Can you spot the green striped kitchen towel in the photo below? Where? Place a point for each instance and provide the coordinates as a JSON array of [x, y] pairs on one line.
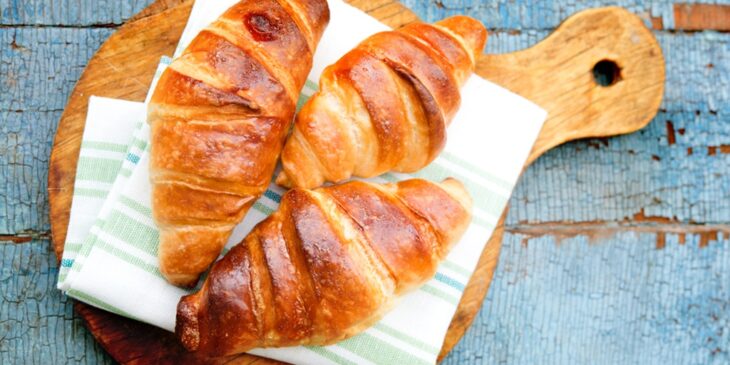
[[109, 127], [489, 140]]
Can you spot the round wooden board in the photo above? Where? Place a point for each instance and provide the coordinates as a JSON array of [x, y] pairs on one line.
[[557, 74]]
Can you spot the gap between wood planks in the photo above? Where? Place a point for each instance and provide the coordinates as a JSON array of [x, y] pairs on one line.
[[66, 26], [594, 230], [597, 230], [640, 223], [687, 18], [695, 17], [24, 236]]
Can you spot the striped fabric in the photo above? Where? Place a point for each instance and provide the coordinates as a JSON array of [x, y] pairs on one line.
[[107, 213], [102, 153], [114, 266]]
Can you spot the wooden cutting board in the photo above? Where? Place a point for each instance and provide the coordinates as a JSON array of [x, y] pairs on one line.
[[558, 74]]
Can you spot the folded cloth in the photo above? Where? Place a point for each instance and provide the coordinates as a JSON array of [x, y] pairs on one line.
[[488, 142], [107, 137]]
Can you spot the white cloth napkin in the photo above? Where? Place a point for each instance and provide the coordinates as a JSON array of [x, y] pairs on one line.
[[108, 134], [488, 142]]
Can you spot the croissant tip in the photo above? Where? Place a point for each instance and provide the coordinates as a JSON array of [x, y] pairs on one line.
[[180, 280], [186, 324], [471, 30], [283, 180], [457, 189]]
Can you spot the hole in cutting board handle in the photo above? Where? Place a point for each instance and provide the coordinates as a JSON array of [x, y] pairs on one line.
[[606, 73]]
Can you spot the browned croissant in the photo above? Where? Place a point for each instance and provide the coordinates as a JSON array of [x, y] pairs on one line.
[[218, 118], [325, 266], [384, 105]]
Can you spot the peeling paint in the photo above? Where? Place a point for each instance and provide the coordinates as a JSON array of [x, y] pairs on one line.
[[671, 137], [620, 287]]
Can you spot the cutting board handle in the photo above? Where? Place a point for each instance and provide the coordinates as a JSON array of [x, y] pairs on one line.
[[600, 73]]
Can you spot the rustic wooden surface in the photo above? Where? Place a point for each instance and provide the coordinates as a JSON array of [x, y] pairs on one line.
[[627, 280], [555, 73]]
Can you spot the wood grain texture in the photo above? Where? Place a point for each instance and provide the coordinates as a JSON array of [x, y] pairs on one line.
[[562, 194], [82, 13], [30, 104]]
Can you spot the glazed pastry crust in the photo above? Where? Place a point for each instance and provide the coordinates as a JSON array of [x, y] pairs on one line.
[[385, 105], [325, 266], [218, 118]]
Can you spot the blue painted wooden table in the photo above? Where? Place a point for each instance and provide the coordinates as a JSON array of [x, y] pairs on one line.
[[616, 250]]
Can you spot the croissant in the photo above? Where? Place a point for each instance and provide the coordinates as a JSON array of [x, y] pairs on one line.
[[384, 105], [325, 266], [219, 116]]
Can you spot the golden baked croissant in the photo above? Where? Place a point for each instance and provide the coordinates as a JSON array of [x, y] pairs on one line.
[[325, 266], [384, 105], [218, 119]]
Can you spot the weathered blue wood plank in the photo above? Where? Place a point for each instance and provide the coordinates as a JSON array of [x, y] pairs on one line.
[[672, 169], [25, 146], [40, 66], [37, 324], [676, 168], [68, 12], [38, 69], [499, 14], [610, 298], [617, 302], [621, 301], [542, 14]]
